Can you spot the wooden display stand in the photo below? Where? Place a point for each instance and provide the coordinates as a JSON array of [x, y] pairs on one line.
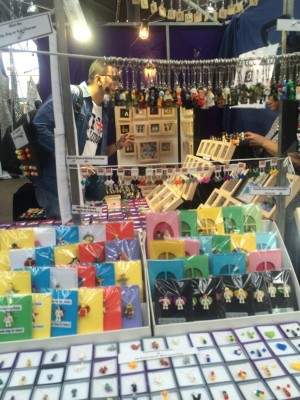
[[216, 150], [225, 196], [164, 197]]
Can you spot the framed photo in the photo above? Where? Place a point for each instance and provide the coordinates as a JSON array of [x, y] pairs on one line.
[[154, 128], [154, 112], [139, 113], [168, 128], [122, 129], [140, 128], [123, 114], [129, 151], [148, 152], [168, 112], [165, 147]]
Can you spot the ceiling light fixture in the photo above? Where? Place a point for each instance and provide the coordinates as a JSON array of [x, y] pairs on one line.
[[144, 29], [32, 9], [77, 21]]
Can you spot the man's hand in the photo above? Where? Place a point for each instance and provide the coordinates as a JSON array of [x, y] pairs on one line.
[[126, 140]]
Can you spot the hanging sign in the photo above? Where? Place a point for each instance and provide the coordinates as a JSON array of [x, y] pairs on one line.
[[81, 160], [288, 24], [19, 30], [86, 209], [273, 191]]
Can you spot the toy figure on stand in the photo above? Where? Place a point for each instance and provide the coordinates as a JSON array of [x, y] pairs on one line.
[[59, 314], [272, 290], [178, 96], [220, 98], [168, 99], [167, 234], [201, 100], [252, 94], [8, 319], [129, 310], [241, 295], [259, 295], [165, 302], [179, 303], [205, 301], [259, 92], [227, 295], [210, 98], [234, 100]]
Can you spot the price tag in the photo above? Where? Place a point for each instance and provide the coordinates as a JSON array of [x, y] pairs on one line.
[[19, 137], [81, 160], [206, 17], [171, 15], [274, 191], [184, 170], [240, 7], [262, 164], [273, 162], [179, 16], [192, 170], [149, 172], [197, 16], [134, 172], [231, 9], [144, 4], [121, 172], [153, 7], [222, 13], [159, 171], [76, 209], [108, 171], [253, 3], [162, 12], [188, 17]]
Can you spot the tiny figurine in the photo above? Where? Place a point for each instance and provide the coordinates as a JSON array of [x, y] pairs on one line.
[[167, 235], [285, 290], [241, 295], [179, 302], [165, 302], [228, 294], [205, 301], [123, 279], [88, 238], [129, 310], [59, 314], [30, 262], [83, 310], [272, 290], [8, 319], [259, 295]]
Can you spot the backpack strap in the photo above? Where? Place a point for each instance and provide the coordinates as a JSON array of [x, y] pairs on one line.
[[78, 103]]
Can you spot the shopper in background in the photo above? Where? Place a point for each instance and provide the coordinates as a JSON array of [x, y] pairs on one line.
[[91, 126], [266, 146]]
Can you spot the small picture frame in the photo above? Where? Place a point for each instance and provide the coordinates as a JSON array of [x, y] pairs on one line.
[[129, 151], [139, 113], [154, 112], [154, 128], [123, 129], [168, 112], [123, 114], [165, 147], [168, 128], [140, 129], [148, 152]]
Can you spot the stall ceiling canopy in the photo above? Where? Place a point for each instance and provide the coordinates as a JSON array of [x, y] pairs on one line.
[[96, 10]]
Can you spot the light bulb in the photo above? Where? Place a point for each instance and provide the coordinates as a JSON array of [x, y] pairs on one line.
[[144, 30]]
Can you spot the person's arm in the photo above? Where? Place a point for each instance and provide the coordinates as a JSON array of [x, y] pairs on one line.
[[256, 140], [44, 125], [124, 141]]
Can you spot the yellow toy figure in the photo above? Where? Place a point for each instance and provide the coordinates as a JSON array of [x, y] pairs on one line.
[[272, 290], [210, 98], [179, 99], [179, 302], [227, 295], [259, 295], [241, 295]]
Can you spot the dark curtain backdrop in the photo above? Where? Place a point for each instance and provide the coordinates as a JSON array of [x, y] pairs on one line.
[[245, 33]]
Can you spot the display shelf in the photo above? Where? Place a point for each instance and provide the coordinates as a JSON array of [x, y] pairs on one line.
[[216, 150], [178, 328], [164, 197]]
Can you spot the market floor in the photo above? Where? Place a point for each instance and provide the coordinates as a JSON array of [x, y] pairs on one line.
[[7, 189]]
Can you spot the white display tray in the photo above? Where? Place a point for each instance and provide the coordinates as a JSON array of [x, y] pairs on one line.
[[206, 325]]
